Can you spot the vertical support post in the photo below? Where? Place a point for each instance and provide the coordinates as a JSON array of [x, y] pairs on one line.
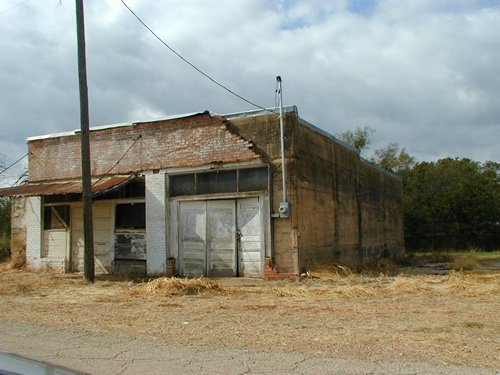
[[88, 254]]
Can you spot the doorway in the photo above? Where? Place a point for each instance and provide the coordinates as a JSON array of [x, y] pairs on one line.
[[221, 238]]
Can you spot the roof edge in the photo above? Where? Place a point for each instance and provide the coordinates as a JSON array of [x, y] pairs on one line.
[[257, 112], [116, 125]]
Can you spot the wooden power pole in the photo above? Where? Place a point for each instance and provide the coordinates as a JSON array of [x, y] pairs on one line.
[[88, 254]]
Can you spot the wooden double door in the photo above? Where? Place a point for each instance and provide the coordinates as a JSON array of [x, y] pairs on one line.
[[221, 238]]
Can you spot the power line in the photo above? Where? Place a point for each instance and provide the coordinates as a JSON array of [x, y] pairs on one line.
[[17, 161], [14, 7], [190, 63]]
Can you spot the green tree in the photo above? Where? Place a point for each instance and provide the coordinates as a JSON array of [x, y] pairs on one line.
[[394, 159], [452, 203], [360, 138], [4, 228], [4, 221]]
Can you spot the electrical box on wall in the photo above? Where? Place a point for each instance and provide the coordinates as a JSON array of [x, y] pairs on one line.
[[284, 210]]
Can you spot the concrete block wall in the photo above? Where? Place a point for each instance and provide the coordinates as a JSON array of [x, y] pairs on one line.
[[34, 227], [156, 255]]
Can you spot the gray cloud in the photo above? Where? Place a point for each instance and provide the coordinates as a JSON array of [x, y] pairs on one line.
[[424, 74]]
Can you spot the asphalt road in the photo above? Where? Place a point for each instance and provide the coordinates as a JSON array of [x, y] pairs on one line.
[[98, 354]]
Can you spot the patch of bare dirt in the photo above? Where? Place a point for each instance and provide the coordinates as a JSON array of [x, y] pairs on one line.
[[450, 319]]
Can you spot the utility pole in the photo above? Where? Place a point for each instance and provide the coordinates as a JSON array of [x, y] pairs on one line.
[[88, 252]]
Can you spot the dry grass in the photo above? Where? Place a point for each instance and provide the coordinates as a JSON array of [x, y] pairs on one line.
[[464, 263], [431, 318], [290, 292], [330, 272], [170, 287]]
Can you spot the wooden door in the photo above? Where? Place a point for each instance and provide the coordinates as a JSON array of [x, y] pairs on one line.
[[221, 241], [192, 238], [103, 222], [250, 238]]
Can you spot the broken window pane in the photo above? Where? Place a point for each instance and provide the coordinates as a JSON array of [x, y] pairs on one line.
[[253, 179], [56, 217], [182, 185], [130, 216], [217, 182]]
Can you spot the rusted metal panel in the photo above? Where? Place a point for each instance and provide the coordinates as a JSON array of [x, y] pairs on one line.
[[70, 187]]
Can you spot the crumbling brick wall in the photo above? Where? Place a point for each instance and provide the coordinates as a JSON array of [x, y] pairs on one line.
[[184, 142]]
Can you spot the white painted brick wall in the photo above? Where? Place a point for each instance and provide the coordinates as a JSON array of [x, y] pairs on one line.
[[34, 229], [156, 253]]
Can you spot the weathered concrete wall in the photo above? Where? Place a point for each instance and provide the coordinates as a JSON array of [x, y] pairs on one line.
[[348, 210], [381, 214], [185, 142]]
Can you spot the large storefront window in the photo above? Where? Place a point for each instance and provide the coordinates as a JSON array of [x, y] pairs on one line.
[[233, 181]]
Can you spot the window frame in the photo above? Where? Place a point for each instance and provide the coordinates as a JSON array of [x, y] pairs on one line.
[[264, 184]]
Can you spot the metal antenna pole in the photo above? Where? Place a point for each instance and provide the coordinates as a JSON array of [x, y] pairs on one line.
[[284, 207], [88, 254], [282, 139]]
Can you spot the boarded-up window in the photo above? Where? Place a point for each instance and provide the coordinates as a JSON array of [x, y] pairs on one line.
[[130, 216], [56, 217]]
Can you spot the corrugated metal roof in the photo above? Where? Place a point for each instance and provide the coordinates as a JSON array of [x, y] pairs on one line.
[[70, 187]]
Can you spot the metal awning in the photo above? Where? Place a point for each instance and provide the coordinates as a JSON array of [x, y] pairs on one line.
[[100, 186]]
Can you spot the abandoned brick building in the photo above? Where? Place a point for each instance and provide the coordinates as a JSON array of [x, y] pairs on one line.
[[204, 192]]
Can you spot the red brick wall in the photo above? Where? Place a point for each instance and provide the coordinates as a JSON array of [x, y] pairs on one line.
[[185, 142]]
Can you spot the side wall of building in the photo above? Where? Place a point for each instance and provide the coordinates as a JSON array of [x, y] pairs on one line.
[[381, 217], [349, 210]]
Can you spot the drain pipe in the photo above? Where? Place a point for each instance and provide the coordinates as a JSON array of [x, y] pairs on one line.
[[284, 208]]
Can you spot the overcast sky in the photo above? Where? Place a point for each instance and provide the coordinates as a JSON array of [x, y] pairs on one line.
[[422, 73]]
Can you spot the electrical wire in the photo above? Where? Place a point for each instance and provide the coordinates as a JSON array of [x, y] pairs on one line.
[[190, 63], [25, 173], [17, 161], [14, 7]]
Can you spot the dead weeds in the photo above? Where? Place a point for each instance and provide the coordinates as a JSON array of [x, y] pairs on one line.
[[463, 263], [170, 287], [335, 311]]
